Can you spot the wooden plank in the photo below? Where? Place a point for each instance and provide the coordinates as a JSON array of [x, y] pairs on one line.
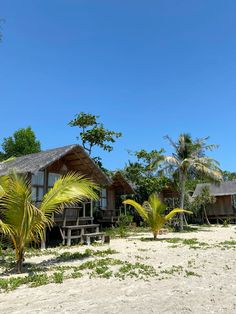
[[80, 226]]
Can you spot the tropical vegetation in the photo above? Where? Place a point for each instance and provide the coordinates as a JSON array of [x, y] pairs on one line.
[[202, 201], [23, 222], [153, 212], [22, 142], [189, 160]]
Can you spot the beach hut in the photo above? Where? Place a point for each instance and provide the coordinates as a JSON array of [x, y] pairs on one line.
[[225, 205], [45, 167]]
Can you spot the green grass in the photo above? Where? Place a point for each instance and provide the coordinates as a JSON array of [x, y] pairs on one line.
[[191, 273], [58, 277], [228, 242], [68, 256], [173, 270]]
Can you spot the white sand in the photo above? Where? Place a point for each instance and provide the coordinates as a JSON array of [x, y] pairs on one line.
[[213, 292]]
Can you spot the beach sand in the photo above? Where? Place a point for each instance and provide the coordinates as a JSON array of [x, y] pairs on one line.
[[209, 287]]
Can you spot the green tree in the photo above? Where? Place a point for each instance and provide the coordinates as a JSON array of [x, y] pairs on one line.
[[202, 201], [94, 133], [229, 176], [23, 222], [146, 174], [22, 142], [153, 213], [189, 160]]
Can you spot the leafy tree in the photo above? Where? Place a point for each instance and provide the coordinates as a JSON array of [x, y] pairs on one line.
[[229, 176], [22, 221], [189, 160], [202, 201], [22, 142], [146, 174], [94, 133], [152, 212]]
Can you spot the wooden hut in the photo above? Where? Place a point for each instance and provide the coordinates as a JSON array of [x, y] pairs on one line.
[[225, 194], [46, 167], [115, 193]]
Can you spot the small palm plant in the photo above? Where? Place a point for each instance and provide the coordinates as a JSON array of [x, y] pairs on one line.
[[152, 212], [22, 222]]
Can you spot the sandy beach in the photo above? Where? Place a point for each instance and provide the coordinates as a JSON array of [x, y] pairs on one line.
[[193, 277]]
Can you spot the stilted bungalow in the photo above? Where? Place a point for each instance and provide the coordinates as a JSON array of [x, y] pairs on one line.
[[44, 168], [225, 205]]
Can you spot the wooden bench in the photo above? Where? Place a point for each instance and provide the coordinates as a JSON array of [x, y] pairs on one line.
[[87, 237], [66, 232]]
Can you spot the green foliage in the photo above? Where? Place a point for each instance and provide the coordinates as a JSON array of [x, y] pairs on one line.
[[146, 173], [125, 220], [58, 277], [153, 212], [94, 133], [68, 256], [202, 201], [189, 161], [22, 142], [229, 176], [22, 222]]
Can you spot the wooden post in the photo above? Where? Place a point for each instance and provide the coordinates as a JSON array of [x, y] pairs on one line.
[[69, 237], [83, 209], [81, 234], [63, 236], [43, 242], [45, 188], [91, 208], [64, 217]]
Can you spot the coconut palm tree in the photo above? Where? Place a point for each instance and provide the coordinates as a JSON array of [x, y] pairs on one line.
[[189, 159], [22, 222], [152, 212]]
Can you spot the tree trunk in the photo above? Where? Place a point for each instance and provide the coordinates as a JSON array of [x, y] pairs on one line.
[[155, 235], [205, 213], [19, 261], [182, 194]]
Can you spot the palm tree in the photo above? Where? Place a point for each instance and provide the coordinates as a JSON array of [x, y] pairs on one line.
[[22, 222], [152, 212], [189, 159]]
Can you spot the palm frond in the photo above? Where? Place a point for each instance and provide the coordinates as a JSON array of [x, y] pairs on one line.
[[156, 204], [140, 209], [171, 160], [67, 191], [5, 228], [173, 144], [176, 211]]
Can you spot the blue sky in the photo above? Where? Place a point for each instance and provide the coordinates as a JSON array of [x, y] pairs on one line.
[[148, 68]]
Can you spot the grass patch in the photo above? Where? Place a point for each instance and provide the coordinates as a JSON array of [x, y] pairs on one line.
[[58, 277], [173, 270], [191, 273], [68, 256], [228, 243]]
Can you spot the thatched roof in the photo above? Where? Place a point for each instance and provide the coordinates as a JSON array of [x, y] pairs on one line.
[[221, 189], [72, 155], [121, 184]]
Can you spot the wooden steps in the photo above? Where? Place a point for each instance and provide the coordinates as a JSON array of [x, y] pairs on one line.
[[87, 237], [82, 232]]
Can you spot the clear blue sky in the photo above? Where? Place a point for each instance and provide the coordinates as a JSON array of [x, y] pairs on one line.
[[148, 68]]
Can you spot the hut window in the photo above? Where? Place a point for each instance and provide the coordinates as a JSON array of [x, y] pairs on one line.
[[52, 178], [103, 199], [38, 178], [37, 182]]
